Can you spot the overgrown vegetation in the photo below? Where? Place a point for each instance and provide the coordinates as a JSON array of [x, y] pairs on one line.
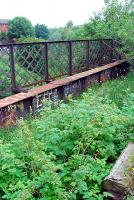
[[65, 152]]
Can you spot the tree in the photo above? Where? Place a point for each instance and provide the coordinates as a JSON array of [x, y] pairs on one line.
[[69, 24], [114, 21], [106, 1], [41, 31], [20, 27]]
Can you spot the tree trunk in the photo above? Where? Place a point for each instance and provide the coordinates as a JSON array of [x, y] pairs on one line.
[[120, 181]]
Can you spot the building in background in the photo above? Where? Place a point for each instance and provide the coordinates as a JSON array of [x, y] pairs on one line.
[[4, 25]]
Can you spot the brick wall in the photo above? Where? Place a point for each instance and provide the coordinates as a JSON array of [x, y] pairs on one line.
[[3, 27]]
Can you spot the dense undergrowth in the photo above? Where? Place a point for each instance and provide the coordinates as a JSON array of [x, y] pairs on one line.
[[65, 153]]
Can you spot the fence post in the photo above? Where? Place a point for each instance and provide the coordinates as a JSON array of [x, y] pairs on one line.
[[70, 58], [46, 62], [12, 67], [87, 55]]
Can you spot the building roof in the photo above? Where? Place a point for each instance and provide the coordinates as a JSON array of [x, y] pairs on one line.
[[4, 21]]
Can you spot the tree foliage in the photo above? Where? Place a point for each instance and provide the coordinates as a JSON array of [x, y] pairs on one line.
[[41, 31], [69, 24], [115, 21], [20, 27], [67, 33]]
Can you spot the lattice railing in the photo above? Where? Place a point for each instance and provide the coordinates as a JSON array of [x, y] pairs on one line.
[[79, 53], [57, 59], [5, 74], [28, 64]]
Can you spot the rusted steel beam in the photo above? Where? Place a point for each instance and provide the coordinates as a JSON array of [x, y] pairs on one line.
[[49, 42]]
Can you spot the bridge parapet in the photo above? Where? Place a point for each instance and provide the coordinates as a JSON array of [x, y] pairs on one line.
[[26, 65], [23, 104]]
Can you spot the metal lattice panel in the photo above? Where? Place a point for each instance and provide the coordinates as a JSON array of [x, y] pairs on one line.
[[78, 56], [57, 60], [116, 50], [94, 53], [29, 64], [5, 75], [107, 46]]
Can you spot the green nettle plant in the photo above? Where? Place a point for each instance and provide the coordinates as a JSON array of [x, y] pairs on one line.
[[66, 152], [27, 172]]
